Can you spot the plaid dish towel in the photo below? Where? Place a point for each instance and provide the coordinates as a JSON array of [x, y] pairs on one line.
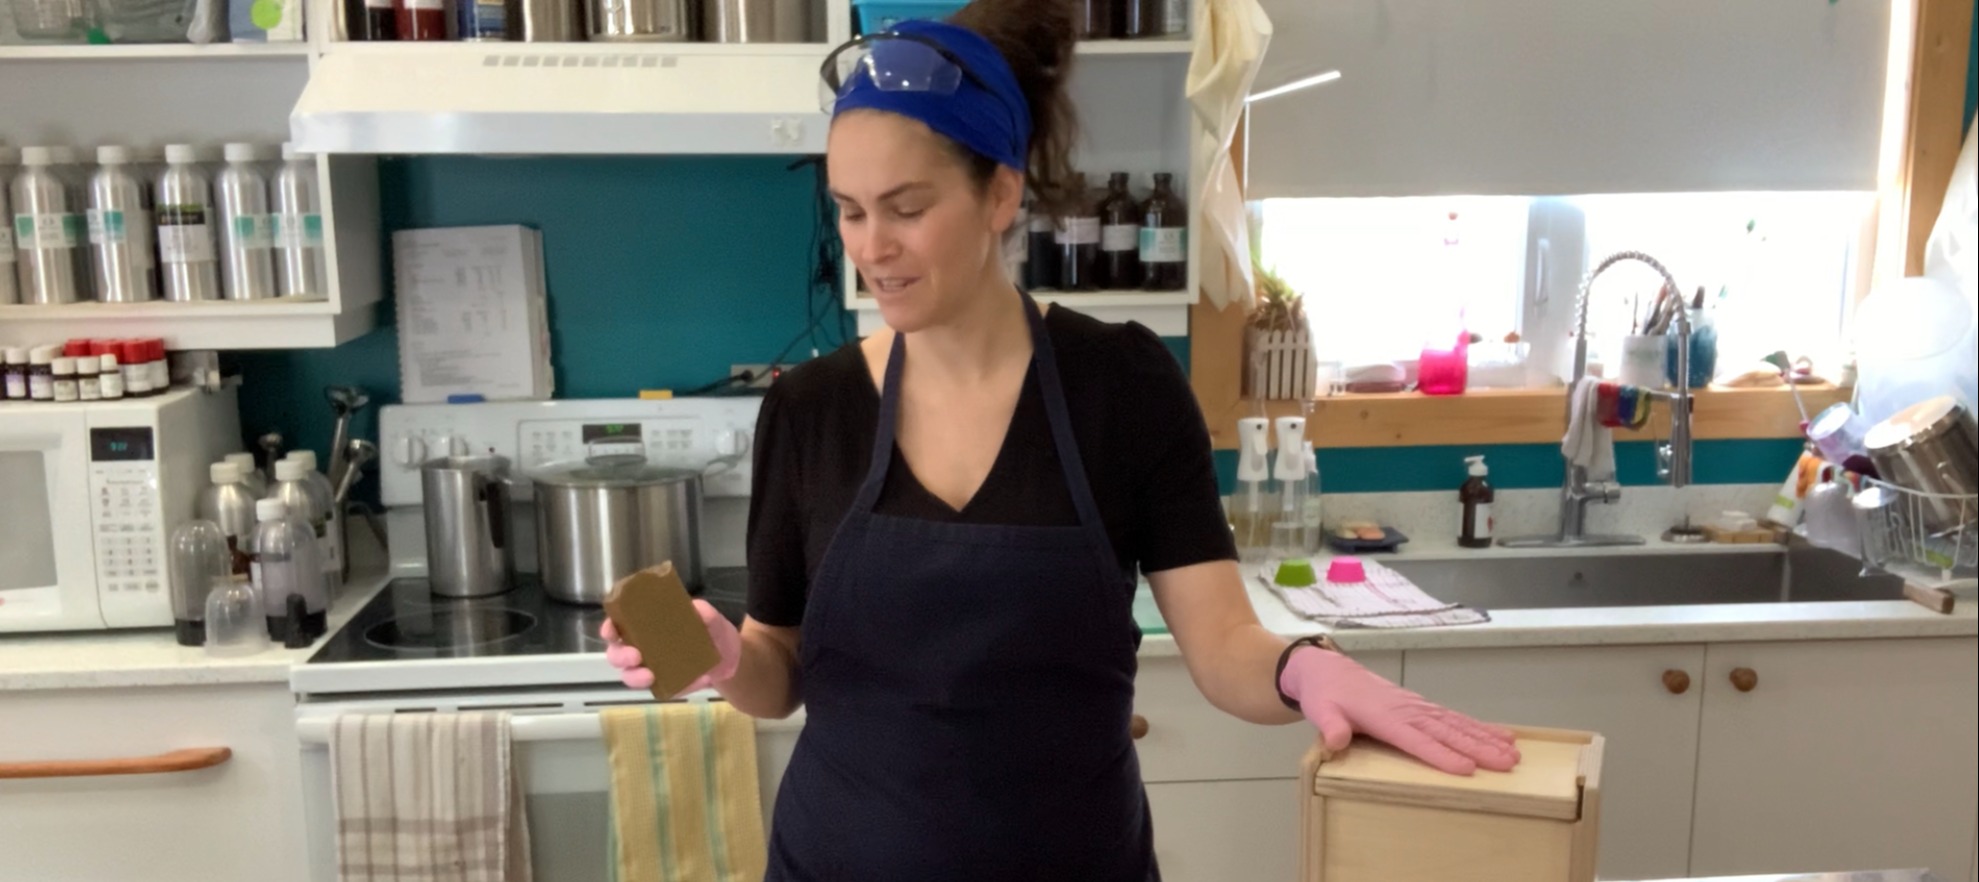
[[430, 797], [1386, 600]]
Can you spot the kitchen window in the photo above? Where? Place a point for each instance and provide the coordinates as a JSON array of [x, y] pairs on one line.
[[1382, 276]]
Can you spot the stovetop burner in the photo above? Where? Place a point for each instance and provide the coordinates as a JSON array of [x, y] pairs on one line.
[[406, 622]]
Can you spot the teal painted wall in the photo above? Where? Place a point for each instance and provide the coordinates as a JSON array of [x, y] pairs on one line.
[[662, 272]]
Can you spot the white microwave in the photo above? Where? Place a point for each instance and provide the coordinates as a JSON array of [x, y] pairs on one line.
[[88, 494]]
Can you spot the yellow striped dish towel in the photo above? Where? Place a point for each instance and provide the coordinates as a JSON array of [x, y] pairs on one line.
[[685, 804]]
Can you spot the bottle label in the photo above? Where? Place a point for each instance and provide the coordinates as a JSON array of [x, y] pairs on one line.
[[1119, 237], [1483, 524], [1042, 223], [113, 226], [112, 382], [378, 4], [434, 5], [48, 230], [41, 387], [1164, 244], [16, 386], [298, 230], [182, 234], [65, 389], [1078, 231], [254, 231]]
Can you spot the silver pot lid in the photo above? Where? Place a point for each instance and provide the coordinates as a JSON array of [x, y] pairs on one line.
[[612, 472]]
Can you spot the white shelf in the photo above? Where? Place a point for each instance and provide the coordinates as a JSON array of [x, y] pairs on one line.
[[1135, 47], [156, 51], [224, 325]]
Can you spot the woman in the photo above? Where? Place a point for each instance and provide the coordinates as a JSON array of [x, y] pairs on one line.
[[947, 516]]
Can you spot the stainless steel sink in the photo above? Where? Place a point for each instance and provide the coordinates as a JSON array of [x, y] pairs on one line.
[[1803, 574]]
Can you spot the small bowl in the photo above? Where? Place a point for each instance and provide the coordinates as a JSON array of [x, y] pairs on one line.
[[1346, 571], [1295, 573]]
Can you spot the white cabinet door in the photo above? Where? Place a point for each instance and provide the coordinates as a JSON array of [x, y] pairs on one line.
[[1227, 831], [1838, 755], [1188, 739], [240, 821], [1643, 699]]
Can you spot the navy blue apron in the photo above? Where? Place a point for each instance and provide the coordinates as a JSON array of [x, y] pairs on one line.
[[967, 691]]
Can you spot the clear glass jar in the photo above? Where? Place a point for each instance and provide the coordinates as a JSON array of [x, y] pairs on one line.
[[201, 560]]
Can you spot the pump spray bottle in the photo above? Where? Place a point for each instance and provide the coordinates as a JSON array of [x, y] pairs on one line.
[[1250, 512]]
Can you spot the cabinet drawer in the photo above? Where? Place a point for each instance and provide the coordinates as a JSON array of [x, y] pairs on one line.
[[164, 827], [1227, 831], [1188, 739]]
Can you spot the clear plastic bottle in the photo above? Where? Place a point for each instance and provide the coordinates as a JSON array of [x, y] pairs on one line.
[[200, 562], [235, 622], [53, 21], [1315, 530], [47, 231], [188, 261], [247, 234], [300, 270], [298, 484], [122, 260], [288, 563]]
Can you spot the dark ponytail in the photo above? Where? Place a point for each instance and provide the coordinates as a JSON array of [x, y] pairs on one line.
[[1037, 38]]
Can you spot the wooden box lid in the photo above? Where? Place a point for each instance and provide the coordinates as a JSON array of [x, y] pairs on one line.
[[1551, 781]]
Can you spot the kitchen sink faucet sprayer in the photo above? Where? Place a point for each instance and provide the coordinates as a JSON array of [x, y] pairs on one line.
[[1673, 458]]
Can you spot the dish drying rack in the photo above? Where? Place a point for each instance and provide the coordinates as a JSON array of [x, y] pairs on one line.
[[1929, 539]]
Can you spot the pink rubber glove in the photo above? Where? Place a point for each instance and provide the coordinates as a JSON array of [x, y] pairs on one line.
[[728, 644], [1341, 697]]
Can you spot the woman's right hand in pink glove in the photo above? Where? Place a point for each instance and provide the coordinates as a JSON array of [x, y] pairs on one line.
[[728, 644], [1342, 698]]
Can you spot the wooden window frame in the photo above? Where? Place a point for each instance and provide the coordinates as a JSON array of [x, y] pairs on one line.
[[1932, 135]]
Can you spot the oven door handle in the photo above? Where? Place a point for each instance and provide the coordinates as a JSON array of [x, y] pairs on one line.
[[586, 726], [186, 760]]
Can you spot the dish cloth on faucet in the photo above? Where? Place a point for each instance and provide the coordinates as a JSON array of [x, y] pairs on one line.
[[427, 796], [1588, 444], [685, 803]]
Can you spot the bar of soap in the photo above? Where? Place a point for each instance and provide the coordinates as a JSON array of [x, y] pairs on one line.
[[654, 614]]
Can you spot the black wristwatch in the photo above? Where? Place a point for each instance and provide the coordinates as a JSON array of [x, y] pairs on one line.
[[1320, 641]]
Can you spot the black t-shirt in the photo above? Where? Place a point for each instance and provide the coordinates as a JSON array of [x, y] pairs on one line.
[[1140, 435]]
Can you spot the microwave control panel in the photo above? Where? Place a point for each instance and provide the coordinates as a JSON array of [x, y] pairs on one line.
[[124, 511], [713, 433]]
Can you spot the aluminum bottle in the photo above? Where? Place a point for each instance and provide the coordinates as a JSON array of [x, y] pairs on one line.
[[187, 259], [47, 232], [123, 262], [247, 240], [300, 270]]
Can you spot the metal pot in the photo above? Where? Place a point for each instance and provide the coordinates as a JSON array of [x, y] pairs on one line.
[[609, 517], [641, 21], [468, 547], [1931, 447], [756, 21]]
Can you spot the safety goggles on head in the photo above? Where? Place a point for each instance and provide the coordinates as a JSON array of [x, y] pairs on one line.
[[892, 63]]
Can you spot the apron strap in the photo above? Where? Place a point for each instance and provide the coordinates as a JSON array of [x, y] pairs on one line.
[[1056, 411]]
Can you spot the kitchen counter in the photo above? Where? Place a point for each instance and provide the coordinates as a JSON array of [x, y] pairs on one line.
[[1857, 876], [152, 657]]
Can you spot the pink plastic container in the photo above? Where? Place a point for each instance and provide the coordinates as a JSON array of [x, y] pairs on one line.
[[1445, 371], [1346, 571]]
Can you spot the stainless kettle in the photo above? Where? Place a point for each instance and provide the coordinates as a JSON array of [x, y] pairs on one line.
[[470, 551]]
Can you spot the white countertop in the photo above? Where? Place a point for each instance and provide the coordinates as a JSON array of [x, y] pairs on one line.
[[153, 658]]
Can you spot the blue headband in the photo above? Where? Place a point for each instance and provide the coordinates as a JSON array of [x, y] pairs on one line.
[[993, 122]]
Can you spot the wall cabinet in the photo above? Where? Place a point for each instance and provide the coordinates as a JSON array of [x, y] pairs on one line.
[[1226, 831], [1645, 700], [240, 821], [1838, 755]]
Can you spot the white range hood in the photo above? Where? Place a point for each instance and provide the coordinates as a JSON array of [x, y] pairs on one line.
[[509, 98]]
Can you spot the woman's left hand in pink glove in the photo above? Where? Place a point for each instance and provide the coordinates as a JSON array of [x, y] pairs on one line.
[[1341, 698]]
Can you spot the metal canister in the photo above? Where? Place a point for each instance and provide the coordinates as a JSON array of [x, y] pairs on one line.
[[757, 21], [247, 233], [122, 259], [189, 266], [546, 21], [47, 231], [642, 21], [480, 21]]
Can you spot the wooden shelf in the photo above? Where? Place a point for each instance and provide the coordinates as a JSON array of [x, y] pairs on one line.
[[1522, 416], [156, 51]]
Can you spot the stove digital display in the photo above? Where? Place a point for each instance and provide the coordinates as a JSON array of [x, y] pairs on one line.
[[611, 432]]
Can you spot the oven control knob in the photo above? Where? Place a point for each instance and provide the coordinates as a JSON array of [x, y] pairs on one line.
[[409, 451], [731, 442]]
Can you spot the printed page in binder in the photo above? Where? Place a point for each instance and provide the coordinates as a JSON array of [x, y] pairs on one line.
[[471, 314]]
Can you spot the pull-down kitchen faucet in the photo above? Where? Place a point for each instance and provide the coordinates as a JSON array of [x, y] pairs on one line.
[[1673, 458]]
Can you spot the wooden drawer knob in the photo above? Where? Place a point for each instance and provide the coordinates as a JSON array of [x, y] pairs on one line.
[[1137, 727], [1678, 682], [1745, 679]]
